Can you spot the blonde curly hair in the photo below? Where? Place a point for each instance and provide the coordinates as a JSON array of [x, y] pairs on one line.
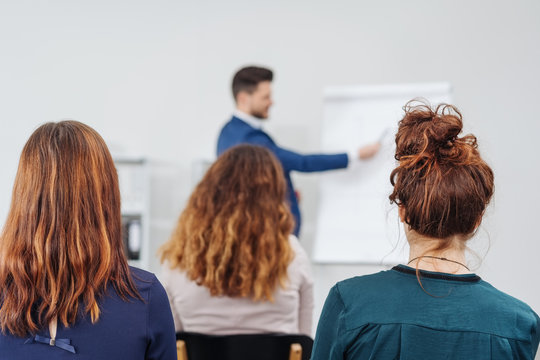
[[233, 235]]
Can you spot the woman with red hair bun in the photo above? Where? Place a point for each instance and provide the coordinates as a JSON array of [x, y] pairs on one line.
[[434, 307]]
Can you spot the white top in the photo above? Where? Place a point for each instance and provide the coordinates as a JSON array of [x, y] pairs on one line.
[[194, 310], [251, 120]]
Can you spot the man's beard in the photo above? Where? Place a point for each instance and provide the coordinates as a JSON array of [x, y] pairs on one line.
[[263, 115]]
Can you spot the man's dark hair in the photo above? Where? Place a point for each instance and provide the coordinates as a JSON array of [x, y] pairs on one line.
[[247, 79]]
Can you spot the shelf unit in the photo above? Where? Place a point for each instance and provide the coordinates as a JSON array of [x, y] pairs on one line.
[[133, 178]]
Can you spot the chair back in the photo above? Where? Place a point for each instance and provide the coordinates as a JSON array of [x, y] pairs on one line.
[[245, 346]]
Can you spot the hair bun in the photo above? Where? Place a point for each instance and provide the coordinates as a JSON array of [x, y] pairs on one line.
[[441, 183], [427, 135]]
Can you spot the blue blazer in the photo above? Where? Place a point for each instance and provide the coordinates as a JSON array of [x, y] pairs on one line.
[[237, 132]]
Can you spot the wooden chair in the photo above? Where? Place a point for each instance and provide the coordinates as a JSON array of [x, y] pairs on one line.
[[195, 346]]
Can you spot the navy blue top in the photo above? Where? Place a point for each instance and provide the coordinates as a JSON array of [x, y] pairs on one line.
[[389, 316], [236, 132], [125, 330]]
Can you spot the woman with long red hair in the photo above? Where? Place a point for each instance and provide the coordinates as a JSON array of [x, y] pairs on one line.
[[65, 285], [434, 307], [231, 265]]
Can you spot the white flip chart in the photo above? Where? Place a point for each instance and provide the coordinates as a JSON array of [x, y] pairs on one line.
[[356, 223]]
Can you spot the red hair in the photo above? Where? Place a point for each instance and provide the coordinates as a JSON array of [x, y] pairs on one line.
[[441, 182], [61, 245]]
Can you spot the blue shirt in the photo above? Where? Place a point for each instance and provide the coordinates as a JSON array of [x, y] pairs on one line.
[[389, 316], [128, 330]]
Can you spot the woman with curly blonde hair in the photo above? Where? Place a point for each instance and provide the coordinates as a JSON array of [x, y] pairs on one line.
[[232, 265]]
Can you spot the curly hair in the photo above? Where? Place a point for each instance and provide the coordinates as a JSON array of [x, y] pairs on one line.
[[441, 182], [61, 245], [233, 235]]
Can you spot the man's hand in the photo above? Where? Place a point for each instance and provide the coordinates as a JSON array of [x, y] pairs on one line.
[[368, 151]]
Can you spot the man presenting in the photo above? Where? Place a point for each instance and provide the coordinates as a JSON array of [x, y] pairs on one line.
[[252, 93]]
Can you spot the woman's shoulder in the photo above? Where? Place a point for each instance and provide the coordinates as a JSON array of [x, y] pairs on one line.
[[376, 288], [146, 282], [301, 259], [381, 278], [300, 255], [295, 245], [142, 277], [508, 304]]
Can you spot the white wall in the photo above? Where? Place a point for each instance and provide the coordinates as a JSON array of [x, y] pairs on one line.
[[153, 78]]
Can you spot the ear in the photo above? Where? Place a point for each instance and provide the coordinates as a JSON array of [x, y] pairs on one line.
[[243, 97]]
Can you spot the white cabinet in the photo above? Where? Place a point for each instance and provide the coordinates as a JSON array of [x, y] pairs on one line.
[[133, 178]]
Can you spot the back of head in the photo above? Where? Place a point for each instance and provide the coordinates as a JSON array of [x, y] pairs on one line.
[[441, 183], [247, 79], [61, 244], [232, 237]]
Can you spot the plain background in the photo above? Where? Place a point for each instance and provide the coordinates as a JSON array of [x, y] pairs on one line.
[[153, 78]]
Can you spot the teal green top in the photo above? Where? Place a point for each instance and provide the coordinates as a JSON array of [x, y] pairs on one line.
[[389, 316]]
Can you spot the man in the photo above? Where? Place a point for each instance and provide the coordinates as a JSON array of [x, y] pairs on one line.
[[252, 93]]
